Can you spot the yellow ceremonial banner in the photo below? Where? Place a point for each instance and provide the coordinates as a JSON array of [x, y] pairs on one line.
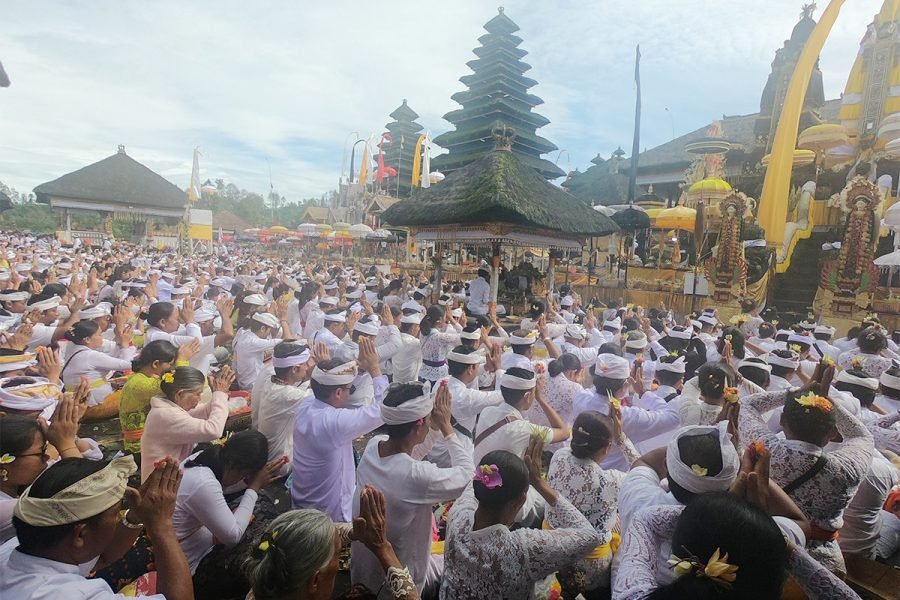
[[773, 201], [417, 163], [364, 168], [200, 232]]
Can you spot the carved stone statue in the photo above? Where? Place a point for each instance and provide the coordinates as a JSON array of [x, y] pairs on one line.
[[807, 193]]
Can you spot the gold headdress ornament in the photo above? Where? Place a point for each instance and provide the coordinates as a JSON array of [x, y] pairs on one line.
[[717, 568]]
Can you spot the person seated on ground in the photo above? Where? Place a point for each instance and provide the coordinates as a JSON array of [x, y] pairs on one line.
[[296, 557], [68, 523], [202, 516], [251, 343], [723, 547], [415, 416], [276, 397], [177, 421], [483, 558], [611, 375], [576, 473], [870, 354], [156, 358], [820, 482], [85, 359], [324, 430], [715, 383], [24, 446]]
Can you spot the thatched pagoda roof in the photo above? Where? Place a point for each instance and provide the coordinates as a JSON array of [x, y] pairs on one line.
[[499, 188], [117, 182]]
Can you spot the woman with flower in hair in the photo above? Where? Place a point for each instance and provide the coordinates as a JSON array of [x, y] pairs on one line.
[[704, 398], [177, 421], [203, 518], [871, 356], [577, 474], [483, 558], [821, 483], [724, 547]]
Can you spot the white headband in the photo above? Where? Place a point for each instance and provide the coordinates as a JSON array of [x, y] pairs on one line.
[[824, 329], [329, 300], [870, 383], [266, 319], [34, 394], [636, 343], [339, 375], [756, 365], [613, 324], [470, 335], [291, 361], [575, 332], [47, 304], [369, 328], [774, 359], [414, 319], [411, 410], [891, 381], [256, 300], [528, 340], [467, 359], [340, 317], [517, 383], [14, 296], [693, 478], [678, 366], [681, 334], [612, 367]]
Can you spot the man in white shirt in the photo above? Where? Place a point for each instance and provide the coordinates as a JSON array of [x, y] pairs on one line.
[[217, 330], [276, 398], [324, 430], [479, 293], [408, 359], [337, 323], [466, 403], [83, 532], [48, 328], [250, 346], [316, 319], [415, 416]]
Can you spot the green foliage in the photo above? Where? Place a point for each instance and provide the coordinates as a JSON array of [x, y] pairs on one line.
[[256, 210], [37, 218], [126, 229]]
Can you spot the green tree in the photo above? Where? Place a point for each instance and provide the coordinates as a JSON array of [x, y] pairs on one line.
[[37, 218]]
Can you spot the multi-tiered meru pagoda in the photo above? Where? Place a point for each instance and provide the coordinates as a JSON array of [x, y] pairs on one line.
[[404, 132], [498, 93]]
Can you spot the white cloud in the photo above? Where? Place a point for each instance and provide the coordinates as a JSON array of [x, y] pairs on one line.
[[282, 84]]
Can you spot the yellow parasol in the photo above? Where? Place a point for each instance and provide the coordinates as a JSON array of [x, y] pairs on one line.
[[821, 138], [709, 189], [680, 217], [802, 157]]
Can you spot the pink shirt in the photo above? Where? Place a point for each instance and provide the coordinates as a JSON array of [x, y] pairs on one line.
[[172, 431]]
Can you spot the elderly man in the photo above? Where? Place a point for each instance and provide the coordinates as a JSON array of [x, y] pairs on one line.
[[68, 524]]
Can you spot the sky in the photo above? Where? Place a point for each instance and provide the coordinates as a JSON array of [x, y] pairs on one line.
[[283, 87]]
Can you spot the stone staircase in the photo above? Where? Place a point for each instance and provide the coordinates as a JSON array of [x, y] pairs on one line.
[[795, 289]]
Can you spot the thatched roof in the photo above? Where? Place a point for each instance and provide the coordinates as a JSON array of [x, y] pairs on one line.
[[117, 180], [228, 221], [499, 188]]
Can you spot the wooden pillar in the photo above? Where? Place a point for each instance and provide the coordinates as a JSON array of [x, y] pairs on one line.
[[551, 263], [495, 271], [436, 290]]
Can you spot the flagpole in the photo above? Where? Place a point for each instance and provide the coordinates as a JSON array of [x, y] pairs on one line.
[[635, 150]]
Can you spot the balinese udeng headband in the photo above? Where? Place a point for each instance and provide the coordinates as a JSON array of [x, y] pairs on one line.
[[891, 381], [33, 394], [368, 328], [870, 383], [790, 363], [636, 340], [409, 411], [695, 478], [472, 358], [612, 367], [754, 364], [340, 375], [517, 383], [82, 500], [291, 361], [575, 332], [470, 335], [528, 340], [680, 333], [266, 319], [340, 317], [678, 366]]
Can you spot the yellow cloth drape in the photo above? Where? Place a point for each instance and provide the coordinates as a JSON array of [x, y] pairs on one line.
[[364, 168], [417, 163], [777, 185]]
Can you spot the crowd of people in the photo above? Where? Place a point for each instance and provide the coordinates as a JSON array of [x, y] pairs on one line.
[[399, 424]]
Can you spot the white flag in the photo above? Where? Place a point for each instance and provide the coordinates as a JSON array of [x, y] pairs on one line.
[[194, 188]]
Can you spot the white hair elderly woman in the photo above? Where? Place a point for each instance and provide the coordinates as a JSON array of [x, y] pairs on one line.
[[297, 556]]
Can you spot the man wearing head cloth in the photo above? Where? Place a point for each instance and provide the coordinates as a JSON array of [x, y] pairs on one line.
[[697, 460], [466, 402], [315, 320], [324, 430], [277, 395], [415, 417], [638, 424], [251, 344], [48, 328], [68, 524]]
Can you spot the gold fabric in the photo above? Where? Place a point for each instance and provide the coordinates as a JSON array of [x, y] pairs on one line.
[[81, 500]]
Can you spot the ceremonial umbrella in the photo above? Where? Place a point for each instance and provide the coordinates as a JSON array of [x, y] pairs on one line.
[[278, 229], [631, 219], [890, 262], [360, 230], [306, 228], [679, 217], [711, 189], [822, 138], [802, 157]]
